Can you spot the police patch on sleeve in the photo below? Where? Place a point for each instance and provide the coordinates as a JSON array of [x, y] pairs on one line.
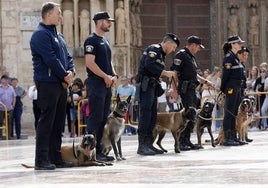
[[89, 48], [152, 54], [177, 61], [228, 65]]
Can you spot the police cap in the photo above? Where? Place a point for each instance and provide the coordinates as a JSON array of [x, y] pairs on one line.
[[173, 37], [243, 49], [102, 16], [234, 39], [195, 40]]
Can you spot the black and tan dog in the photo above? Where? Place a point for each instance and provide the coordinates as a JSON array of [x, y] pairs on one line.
[[176, 122], [114, 129], [243, 118], [83, 154], [204, 120]]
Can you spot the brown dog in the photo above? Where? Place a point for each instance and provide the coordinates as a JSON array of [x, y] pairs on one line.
[[176, 122], [243, 119], [83, 154], [204, 120]]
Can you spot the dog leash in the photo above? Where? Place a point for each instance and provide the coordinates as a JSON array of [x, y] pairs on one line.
[[178, 101]]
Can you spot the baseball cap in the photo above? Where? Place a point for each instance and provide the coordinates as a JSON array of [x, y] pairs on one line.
[[102, 15], [234, 39], [173, 37], [196, 40]]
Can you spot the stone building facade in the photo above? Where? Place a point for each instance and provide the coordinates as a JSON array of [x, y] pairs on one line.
[[138, 24]]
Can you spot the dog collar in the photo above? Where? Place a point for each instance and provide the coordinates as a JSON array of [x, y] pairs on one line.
[[117, 115], [207, 119]]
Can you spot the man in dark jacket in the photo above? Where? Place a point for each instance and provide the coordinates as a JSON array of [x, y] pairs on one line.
[[53, 73]]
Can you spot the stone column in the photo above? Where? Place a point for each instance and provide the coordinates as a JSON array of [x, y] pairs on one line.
[[94, 7], [76, 25]]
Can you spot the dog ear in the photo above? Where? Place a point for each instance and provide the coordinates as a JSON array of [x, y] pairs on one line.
[[117, 98], [128, 99]]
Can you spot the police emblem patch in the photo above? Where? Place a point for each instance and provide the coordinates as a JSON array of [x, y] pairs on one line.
[[152, 54], [177, 61], [89, 48], [228, 65]]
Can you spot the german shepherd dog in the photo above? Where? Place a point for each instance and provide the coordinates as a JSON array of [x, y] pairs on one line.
[[243, 119], [204, 120], [176, 122], [114, 129], [83, 154]]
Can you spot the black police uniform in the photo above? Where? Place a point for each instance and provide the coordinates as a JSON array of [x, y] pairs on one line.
[[232, 80], [99, 96], [184, 63], [151, 66]]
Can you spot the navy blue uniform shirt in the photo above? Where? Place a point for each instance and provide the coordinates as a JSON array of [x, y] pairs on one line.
[[184, 63], [232, 69], [98, 46], [153, 61]]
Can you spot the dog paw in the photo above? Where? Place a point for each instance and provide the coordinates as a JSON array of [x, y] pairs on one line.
[[108, 164]]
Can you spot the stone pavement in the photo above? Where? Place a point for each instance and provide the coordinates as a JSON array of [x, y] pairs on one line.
[[240, 166]]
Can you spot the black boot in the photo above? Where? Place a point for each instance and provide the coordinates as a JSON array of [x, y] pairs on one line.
[[248, 139], [234, 135], [151, 146], [228, 139], [143, 148]]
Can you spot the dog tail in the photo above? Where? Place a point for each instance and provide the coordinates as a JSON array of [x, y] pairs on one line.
[[27, 166]]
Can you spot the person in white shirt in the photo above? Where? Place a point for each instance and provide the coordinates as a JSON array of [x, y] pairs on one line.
[[264, 107], [162, 100], [32, 93]]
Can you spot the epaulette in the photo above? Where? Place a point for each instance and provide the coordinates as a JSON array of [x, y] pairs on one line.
[[156, 45], [228, 54]]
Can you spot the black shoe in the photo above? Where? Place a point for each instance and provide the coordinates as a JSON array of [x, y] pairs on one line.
[[229, 142], [64, 164], [248, 139], [145, 150], [102, 157], [44, 166], [157, 151], [184, 147]]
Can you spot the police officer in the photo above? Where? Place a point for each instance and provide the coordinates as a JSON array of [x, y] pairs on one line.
[[151, 69], [242, 55], [232, 80], [185, 65], [101, 77]]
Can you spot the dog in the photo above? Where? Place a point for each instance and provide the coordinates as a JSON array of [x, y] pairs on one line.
[[176, 122], [243, 118], [114, 129], [250, 102], [83, 154], [204, 120]]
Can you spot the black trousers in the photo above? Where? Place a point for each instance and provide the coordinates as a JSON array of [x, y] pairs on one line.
[[37, 112], [188, 99], [231, 104], [148, 112], [99, 100], [52, 99]]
